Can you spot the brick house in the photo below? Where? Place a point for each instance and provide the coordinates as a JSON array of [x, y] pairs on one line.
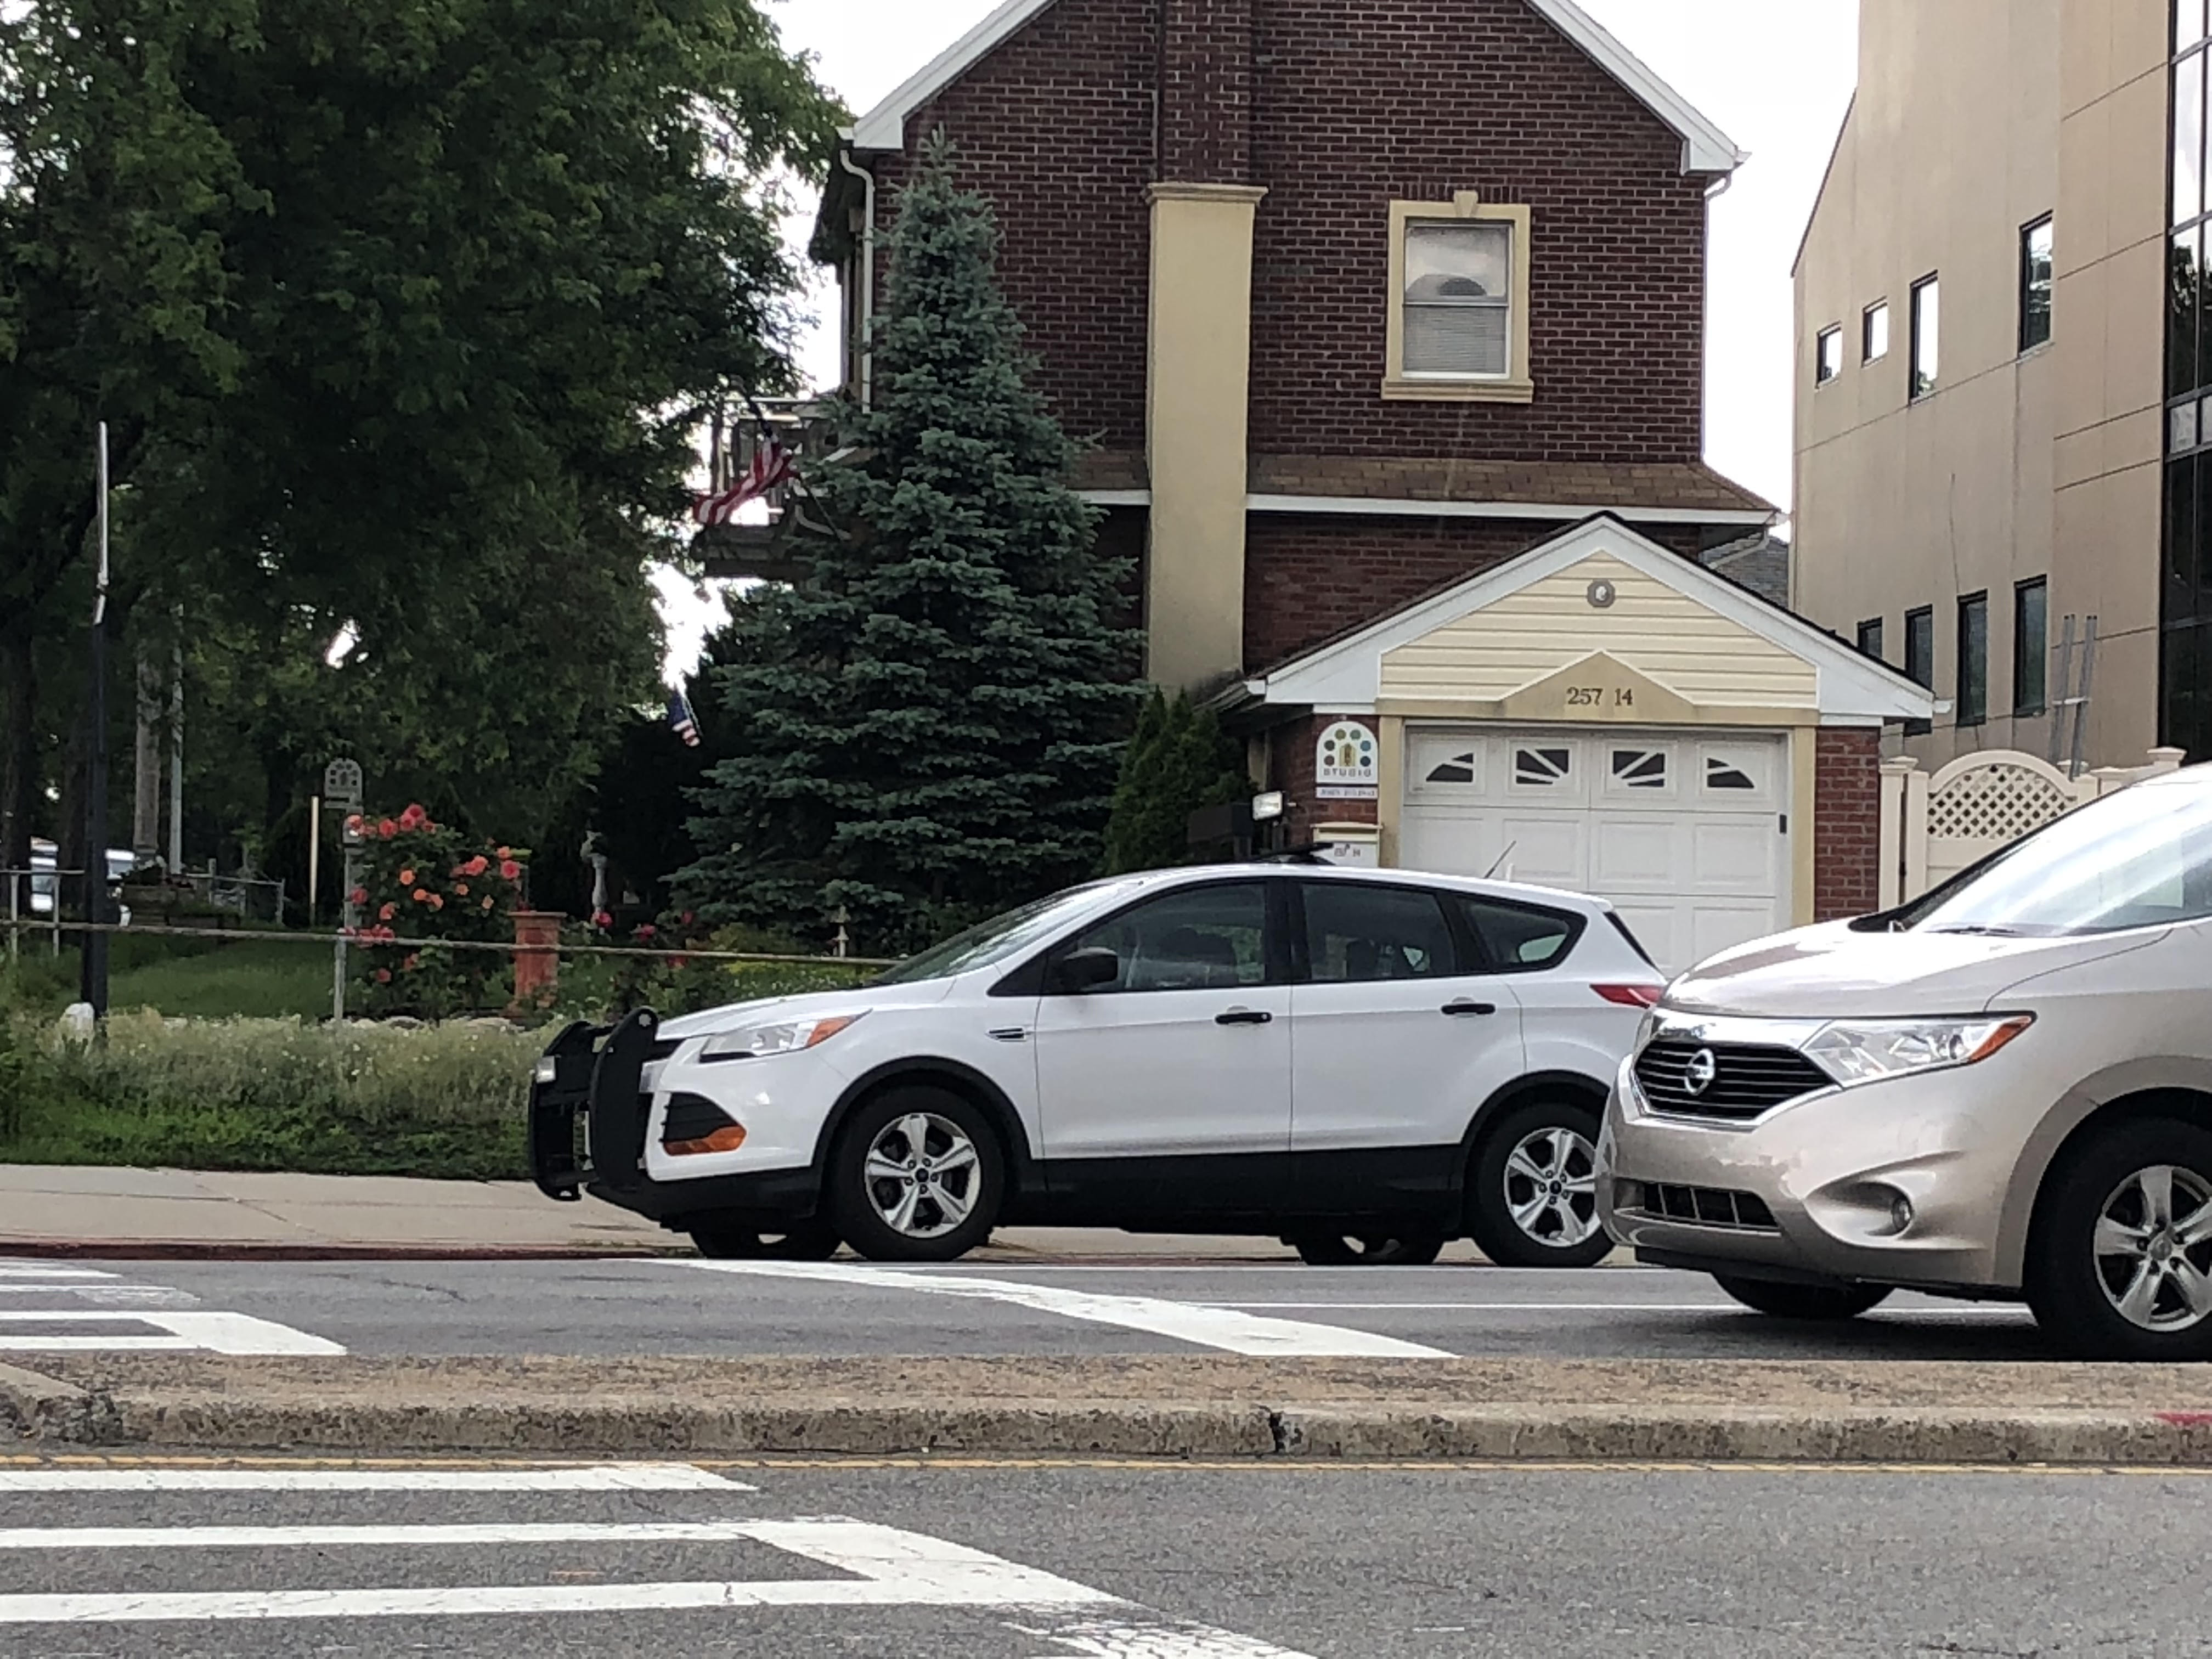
[[1376, 310]]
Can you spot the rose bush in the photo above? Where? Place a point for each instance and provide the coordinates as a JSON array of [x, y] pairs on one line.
[[426, 881]]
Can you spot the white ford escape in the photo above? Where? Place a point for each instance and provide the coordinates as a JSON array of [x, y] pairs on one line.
[[1364, 1064]]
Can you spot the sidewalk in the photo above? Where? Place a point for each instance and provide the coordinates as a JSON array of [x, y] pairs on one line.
[[56, 1210]]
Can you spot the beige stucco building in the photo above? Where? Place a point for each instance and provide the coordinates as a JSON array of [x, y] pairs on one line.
[[1981, 369]]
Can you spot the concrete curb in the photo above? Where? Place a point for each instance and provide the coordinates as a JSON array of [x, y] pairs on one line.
[[46, 1412], [186, 1250]]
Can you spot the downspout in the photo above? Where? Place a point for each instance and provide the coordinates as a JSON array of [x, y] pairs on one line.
[[868, 279]]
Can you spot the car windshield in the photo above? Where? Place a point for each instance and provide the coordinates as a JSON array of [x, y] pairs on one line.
[[2141, 858], [1001, 937]]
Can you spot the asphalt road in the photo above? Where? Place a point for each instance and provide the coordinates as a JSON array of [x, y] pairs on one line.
[[1137, 1562], [682, 1307]]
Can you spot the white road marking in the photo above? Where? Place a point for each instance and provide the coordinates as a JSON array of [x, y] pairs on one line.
[[387, 1537], [900, 1569], [42, 1270], [90, 1290], [1984, 1310], [593, 1477], [217, 1332], [1224, 1328]]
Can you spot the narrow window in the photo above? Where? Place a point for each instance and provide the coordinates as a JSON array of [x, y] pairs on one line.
[[1920, 658], [2035, 284], [1829, 360], [1873, 332], [1459, 299], [2031, 645], [1870, 638], [2188, 138], [1973, 703], [1927, 326]]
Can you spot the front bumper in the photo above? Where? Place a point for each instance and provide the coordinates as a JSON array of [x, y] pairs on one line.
[[1810, 1190], [591, 1117]]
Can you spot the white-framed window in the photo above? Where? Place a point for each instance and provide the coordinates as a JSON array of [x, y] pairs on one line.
[[1459, 301], [1828, 355], [1873, 332]]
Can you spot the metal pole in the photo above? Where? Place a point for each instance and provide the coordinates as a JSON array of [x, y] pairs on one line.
[[92, 979], [2065, 702], [2081, 697], [314, 854]]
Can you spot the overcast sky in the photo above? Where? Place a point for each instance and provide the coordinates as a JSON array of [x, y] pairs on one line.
[[1776, 75]]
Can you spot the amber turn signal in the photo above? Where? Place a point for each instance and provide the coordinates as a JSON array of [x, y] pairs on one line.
[[722, 1141]]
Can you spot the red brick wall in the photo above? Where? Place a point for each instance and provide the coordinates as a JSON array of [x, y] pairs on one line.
[[1206, 81], [1338, 107], [1056, 127], [1308, 578], [1846, 823], [1363, 104]]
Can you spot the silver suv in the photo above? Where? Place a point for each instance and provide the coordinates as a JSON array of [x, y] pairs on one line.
[[2002, 1090]]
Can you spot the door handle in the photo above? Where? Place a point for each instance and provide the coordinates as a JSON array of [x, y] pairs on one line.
[[1464, 1010], [1245, 1016]]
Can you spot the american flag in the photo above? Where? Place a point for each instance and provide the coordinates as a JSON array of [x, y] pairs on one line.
[[772, 467], [682, 720]]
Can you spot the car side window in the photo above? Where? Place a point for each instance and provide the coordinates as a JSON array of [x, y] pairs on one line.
[[1519, 938], [1357, 934], [1205, 938]]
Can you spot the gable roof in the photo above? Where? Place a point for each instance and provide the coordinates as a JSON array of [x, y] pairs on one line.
[[1705, 148], [1344, 673]]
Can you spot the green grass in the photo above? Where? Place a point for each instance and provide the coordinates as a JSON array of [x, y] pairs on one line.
[[256, 981], [269, 1094]]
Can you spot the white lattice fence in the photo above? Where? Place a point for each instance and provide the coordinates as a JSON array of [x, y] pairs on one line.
[[1934, 827]]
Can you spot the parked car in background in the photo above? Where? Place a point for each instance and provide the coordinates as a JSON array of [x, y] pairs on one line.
[[2002, 1090], [42, 884], [1364, 1064]]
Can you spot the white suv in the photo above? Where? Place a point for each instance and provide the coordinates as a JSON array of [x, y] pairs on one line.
[[1364, 1064]]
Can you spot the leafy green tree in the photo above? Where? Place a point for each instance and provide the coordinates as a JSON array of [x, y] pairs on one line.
[[403, 312], [925, 723], [1180, 763]]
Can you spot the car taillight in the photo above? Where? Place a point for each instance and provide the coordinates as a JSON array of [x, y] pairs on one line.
[[1630, 996]]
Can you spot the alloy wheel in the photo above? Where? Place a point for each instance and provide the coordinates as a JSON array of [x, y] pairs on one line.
[[1550, 1188], [923, 1174], [2153, 1245]]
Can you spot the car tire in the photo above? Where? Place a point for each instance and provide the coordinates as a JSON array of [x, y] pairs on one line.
[[2107, 1277], [1532, 1187], [1400, 1247], [895, 1201], [808, 1241], [1812, 1304]]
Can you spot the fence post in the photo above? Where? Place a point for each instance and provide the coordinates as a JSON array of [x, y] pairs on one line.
[[1916, 836], [536, 957], [1895, 776]]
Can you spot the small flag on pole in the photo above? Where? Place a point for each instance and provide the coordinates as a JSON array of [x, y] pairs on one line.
[[680, 717], [771, 468]]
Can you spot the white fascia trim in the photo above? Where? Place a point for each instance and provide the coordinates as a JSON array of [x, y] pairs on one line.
[[1396, 508], [1348, 673], [1117, 497], [1705, 148], [884, 127]]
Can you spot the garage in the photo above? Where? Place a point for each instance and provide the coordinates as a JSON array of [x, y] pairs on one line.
[[1602, 715], [1688, 835]]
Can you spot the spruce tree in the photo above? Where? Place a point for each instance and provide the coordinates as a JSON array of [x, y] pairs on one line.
[[1180, 762], [927, 723]]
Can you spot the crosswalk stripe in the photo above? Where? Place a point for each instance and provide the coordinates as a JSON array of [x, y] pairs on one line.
[[388, 1537], [218, 1332], [598, 1477]]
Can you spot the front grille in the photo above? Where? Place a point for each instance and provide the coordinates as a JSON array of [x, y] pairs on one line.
[[1696, 1207], [1747, 1078]]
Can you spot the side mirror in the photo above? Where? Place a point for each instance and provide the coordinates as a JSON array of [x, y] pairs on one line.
[[1085, 970]]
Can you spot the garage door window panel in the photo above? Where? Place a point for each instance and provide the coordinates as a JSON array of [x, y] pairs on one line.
[[1639, 772], [1543, 768], [1359, 934], [1214, 939]]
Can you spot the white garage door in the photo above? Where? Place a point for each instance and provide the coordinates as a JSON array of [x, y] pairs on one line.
[[1687, 834]]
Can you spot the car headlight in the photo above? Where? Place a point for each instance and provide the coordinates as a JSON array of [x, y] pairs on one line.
[[1646, 1030], [782, 1036], [1868, 1050]]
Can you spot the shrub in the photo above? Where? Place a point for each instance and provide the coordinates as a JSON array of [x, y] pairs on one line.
[[421, 879]]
